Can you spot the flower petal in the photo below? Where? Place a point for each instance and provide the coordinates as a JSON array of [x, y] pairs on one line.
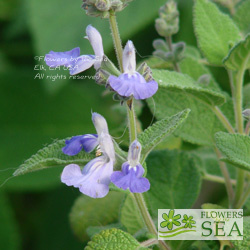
[[130, 179], [54, 59], [134, 153], [95, 40], [73, 146], [82, 63], [128, 58], [133, 85], [71, 175], [89, 142], [100, 123], [97, 178]]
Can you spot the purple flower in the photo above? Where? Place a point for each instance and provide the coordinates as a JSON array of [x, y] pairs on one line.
[[132, 171], [131, 83], [72, 58], [94, 179], [87, 142]]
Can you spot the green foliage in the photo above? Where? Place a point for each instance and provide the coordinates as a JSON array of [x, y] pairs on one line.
[[130, 216], [244, 244], [178, 92], [113, 239], [242, 17], [239, 55], [87, 212], [52, 156], [235, 147], [211, 206], [175, 180], [208, 162], [214, 30], [9, 237], [154, 134]]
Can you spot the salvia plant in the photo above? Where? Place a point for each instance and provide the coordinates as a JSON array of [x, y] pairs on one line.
[[190, 109]]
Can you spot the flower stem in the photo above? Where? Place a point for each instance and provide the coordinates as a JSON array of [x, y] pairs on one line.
[[243, 198], [240, 127], [223, 119], [131, 120], [116, 38], [170, 46], [149, 242], [133, 135], [228, 184], [247, 130]]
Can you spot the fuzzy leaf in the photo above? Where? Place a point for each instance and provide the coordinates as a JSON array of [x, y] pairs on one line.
[[239, 55], [178, 92], [174, 178], [113, 239], [87, 212], [52, 156], [153, 135], [235, 147], [214, 31], [242, 17], [245, 243], [130, 216]]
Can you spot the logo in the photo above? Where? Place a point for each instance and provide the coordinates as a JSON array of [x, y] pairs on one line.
[[200, 224]]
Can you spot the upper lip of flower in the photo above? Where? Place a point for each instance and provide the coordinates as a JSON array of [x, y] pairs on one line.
[[73, 59]]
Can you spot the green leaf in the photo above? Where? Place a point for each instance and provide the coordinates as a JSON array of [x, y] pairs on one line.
[[92, 230], [113, 239], [242, 17], [52, 156], [208, 162], [245, 243], [211, 206], [9, 237], [214, 30], [87, 212], [192, 67], [178, 92], [130, 216], [235, 147], [239, 55], [174, 178], [153, 135]]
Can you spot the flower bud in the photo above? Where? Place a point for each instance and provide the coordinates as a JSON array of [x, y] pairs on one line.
[[145, 71], [204, 79], [103, 5], [168, 22], [160, 44], [101, 8], [101, 76], [246, 113], [179, 49]]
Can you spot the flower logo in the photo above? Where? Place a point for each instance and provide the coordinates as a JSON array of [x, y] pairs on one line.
[[188, 221], [170, 219]]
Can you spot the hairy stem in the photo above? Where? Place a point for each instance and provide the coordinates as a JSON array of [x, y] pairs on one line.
[[247, 130], [240, 127], [228, 184], [133, 135], [116, 38], [244, 198], [131, 120], [218, 179], [149, 242], [170, 46], [223, 119]]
